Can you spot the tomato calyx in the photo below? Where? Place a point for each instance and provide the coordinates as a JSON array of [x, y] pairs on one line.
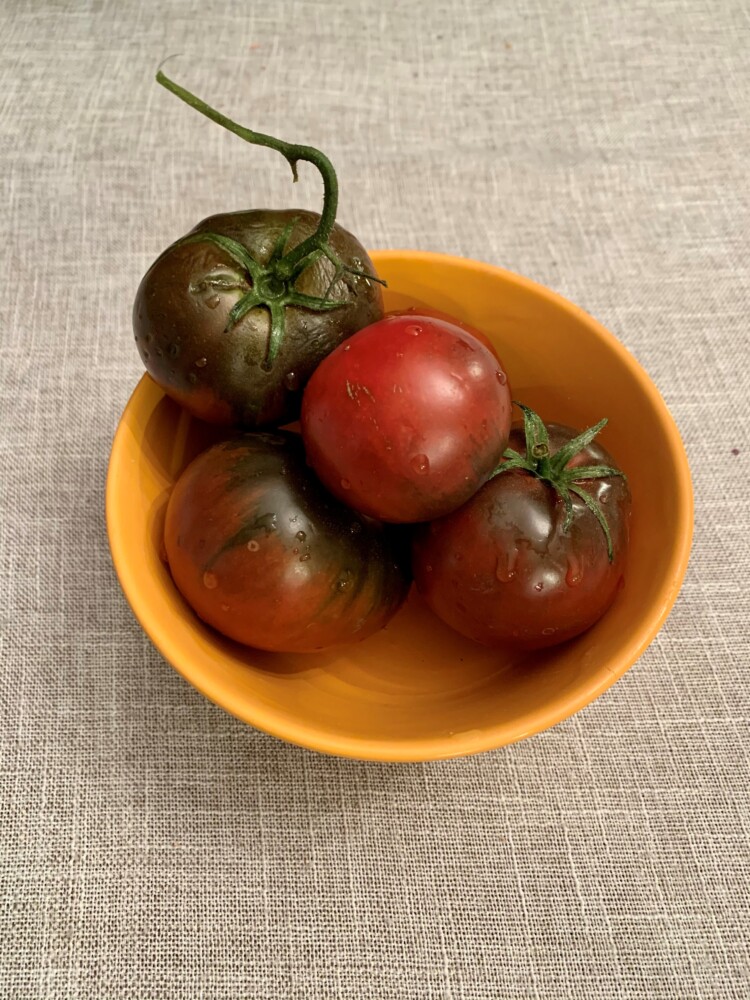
[[552, 468], [272, 284]]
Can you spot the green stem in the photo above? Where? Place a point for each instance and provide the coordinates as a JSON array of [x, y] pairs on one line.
[[293, 153]]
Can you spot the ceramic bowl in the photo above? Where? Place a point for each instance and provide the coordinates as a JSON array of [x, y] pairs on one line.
[[417, 690]]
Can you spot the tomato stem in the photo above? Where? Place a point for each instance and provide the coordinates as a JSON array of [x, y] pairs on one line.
[[553, 468], [291, 152]]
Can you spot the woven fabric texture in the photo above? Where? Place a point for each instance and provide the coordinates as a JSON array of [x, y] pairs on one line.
[[151, 846]]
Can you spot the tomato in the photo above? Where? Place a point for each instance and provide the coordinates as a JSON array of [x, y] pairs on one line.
[[407, 419], [232, 319], [219, 371], [262, 553], [510, 566]]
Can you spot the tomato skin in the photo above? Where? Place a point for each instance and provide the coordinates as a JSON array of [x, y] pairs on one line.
[[501, 570], [218, 375], [262, 553], [428, 311], [406, 420]]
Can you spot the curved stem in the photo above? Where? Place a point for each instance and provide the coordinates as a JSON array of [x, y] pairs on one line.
[[292, 153]]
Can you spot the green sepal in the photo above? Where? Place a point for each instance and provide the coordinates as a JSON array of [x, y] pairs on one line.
[[552, 468]]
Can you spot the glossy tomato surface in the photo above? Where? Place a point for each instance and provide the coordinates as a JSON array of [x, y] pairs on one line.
[[408, 418], [427, 311], [502, 569], [265, 555], [220, 375]]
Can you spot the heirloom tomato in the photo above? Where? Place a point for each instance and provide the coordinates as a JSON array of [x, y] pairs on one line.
[[232, 319], [265, 555], [537, 555], [408, 418]]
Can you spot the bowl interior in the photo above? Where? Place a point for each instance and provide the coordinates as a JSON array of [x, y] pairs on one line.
[[417, 690]]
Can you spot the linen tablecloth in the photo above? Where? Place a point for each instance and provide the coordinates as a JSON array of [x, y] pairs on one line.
[[152, 846]]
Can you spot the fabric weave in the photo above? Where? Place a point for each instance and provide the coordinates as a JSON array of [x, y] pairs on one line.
[[152, 846]]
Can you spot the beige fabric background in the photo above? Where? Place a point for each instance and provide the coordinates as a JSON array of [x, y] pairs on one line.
[[153, 847]]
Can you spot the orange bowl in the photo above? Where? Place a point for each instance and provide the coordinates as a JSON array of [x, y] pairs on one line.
[[417, 690]]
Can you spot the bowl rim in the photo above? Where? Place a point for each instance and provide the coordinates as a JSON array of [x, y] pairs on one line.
[[276, 723]]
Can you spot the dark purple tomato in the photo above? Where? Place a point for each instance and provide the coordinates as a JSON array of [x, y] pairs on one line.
[[517, 565], [265, 555], [235, 373], [407, 419]]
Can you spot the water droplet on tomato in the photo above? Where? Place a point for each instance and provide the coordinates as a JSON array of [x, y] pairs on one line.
[[345, 484], [505, 568], [574, 575], [300, 536], [548, 631], [173, 350], [428, 568], [295, 551], [420, 464], [413, 330], [501, 376], [192, 378], [305, 557], [252, 545], [347, 347], [212, 301], [539, 586], [225, 607], [291, 381], [345, 581], [210, 581], [604, 495], [201, 362], [145, 354]]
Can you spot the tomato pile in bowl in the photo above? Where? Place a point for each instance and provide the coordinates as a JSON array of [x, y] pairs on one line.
[[417, 689], [272, 564]]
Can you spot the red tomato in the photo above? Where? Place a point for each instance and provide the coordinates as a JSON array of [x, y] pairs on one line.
[[505, 568], [261, 552], [407, 419]]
